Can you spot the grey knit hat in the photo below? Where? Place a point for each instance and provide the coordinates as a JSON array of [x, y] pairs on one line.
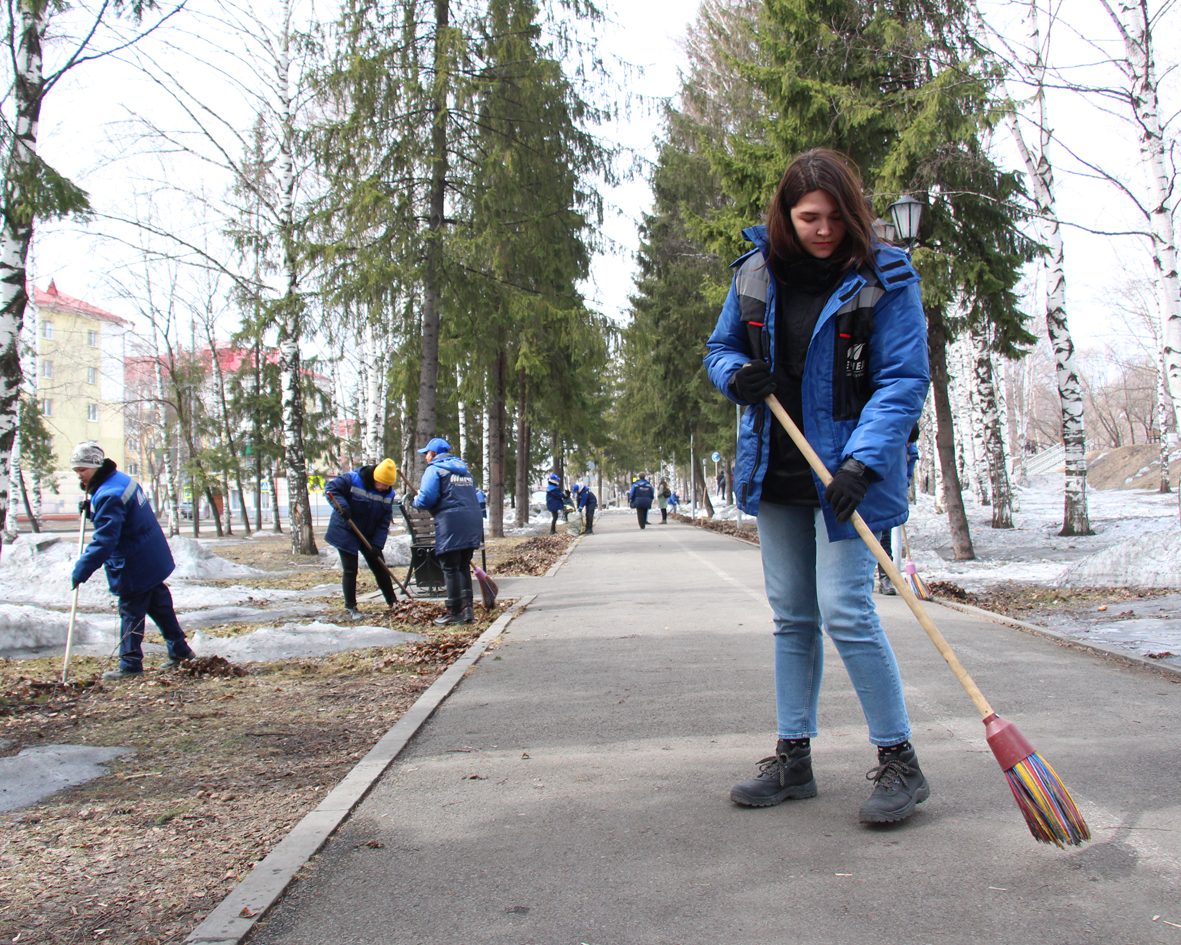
[[87, 455]]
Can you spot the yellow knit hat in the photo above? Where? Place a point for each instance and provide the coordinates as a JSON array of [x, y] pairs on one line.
[[386, 473]]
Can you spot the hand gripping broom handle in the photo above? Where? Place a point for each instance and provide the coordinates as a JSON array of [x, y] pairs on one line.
[[900, 583], [357, 532], [73, 606]]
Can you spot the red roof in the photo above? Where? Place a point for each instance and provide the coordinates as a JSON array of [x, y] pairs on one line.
[[51, 298]]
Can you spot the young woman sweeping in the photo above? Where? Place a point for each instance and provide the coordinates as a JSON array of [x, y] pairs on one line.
[[830, 320]]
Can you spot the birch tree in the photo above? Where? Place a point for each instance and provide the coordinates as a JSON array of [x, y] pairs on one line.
[[1135, 25]]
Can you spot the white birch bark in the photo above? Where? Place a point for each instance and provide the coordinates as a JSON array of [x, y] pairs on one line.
[[16, 225], [303, 541], [487, 449], [1018, 423], [462, 407], [994, 444], [1040, 171], [1134, 24], [1163, 406], [374, 419], [975, 453]]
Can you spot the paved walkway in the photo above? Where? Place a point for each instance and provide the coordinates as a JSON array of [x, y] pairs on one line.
[[574, 788]]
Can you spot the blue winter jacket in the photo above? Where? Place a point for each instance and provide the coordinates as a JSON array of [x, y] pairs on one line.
[[865, 377], [448, 492], [640, 495], [372, 510], [587, 499], [127, 538], [555, 498]]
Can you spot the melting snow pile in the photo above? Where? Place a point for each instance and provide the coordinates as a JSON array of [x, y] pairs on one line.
[[196, 562], [292, 640], [29, 628], [29, 576], [1151, 560]]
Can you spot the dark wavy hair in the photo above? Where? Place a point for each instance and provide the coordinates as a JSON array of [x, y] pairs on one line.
[[836, 174]]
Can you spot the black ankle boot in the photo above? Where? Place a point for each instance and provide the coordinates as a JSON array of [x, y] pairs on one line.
[[466, 612], [898, 786], [787, 774], [454, 609]]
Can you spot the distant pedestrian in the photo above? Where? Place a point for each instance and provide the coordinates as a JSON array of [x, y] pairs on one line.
[[587, 503], [365, 497], [129, 543], [555, 500], [721, 477], [639, 497], [663, 494], [674, 500], [448, 492], [830, 320]]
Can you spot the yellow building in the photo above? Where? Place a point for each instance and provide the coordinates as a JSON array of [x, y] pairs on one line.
[[80, 378]]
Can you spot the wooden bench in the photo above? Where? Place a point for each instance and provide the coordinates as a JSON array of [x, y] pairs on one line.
[[424, 569]]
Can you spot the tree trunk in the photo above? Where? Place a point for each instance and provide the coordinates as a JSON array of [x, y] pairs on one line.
[[374, 418], [11, 528], [16, 224], [486, 471], [1134, 23], [258, 440], [277, 525], [1017, 426], [1162, 412], [705, 480], [994, 442], [303, 541], [957, 520], [496, 445], [429, 364], [524, 434], [213, 510], [970, 391], [231, 444]]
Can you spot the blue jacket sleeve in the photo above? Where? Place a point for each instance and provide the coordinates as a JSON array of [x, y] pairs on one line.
[[428, 492], [339, 488], [108, 512], [900, 375], [728, 347]]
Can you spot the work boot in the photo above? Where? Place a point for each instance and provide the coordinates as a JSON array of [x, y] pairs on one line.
[[898, 786], [170, 664], [885, 585], [453, 615], [786, 775], [467, 613], [123, 673]]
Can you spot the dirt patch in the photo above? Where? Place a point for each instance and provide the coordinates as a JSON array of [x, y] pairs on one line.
[[1129, 467], [532, 556], [1036, 602], [224, 765]]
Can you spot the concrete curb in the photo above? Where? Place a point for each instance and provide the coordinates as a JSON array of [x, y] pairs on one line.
[[562, 560], [1107, 652], [234, 917]]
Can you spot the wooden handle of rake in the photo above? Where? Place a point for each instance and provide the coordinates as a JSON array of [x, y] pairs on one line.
[[357, 532], [900, 583], [413, 491], [74, 605]]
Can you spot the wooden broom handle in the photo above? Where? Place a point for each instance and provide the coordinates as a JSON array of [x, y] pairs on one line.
[[900, 583]]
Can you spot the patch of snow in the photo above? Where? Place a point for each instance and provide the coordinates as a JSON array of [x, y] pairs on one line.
[[36, 773], [291, 640], [1152, 560], [196, 562], [32, 628]]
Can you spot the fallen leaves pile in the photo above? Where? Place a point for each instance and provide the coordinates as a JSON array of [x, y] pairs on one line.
[[534, 556], [26, 693], [441, 650], [725, 526], [416, 612], [211, 666]]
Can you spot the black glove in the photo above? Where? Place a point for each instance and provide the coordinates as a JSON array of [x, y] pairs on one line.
[[847, 489], [84, 507], [345, 512], [74, 584], [753, 382]]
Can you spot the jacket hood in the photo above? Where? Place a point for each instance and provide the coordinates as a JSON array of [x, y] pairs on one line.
[[450, 463], [366, 474]]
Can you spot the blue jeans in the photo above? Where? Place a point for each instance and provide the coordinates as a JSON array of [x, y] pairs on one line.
[[134, 609], [813, 583]]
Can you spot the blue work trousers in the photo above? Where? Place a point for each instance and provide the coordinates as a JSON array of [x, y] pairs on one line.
[[134, 609]]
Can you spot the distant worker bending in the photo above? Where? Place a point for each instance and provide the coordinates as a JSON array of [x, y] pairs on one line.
[[130, 544]]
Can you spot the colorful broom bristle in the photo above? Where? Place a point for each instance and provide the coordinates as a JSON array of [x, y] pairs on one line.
[[1046, 804], [921, 591]]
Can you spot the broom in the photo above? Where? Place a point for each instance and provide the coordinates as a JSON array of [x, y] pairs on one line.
[[1042, 798], [917, 584]]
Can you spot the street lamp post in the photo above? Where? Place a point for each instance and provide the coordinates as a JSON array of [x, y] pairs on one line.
[[907, 214]]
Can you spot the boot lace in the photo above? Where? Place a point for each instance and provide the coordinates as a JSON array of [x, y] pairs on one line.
[[768, 766], [888, 774]]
